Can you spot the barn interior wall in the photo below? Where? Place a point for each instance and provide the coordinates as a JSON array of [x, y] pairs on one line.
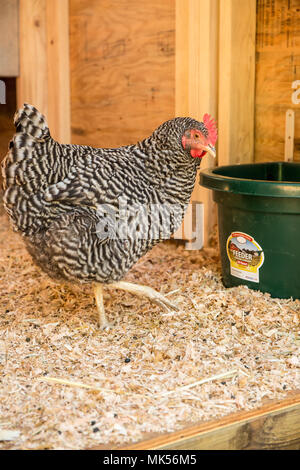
[[122, 59]]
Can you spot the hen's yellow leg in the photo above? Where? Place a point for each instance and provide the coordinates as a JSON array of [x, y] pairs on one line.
[[103, 322], [145, 291]]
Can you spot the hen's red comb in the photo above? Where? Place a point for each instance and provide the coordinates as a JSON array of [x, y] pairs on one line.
[[211, 127]]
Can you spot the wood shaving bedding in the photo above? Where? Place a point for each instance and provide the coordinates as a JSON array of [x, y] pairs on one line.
[[67, 385]]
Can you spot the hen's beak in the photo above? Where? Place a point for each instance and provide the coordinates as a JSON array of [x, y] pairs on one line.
[[210, 149]]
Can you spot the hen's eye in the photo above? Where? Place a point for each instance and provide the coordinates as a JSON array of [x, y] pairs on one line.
[[197, 136]]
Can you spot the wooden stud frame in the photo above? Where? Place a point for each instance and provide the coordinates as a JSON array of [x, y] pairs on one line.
[[215, 45]]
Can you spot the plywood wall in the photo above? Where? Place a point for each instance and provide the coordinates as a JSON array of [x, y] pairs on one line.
[[122, 69], [277, 67]]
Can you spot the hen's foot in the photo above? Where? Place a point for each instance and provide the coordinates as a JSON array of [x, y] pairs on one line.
[[145, 291]]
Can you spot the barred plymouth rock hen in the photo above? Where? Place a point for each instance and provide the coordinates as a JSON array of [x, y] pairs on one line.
[[88, 214]]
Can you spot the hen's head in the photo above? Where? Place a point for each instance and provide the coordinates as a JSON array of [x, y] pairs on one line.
[[193, 139], [201, 139]]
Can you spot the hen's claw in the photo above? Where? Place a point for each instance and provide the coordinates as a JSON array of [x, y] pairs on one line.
[[163, 302], [106, 326]]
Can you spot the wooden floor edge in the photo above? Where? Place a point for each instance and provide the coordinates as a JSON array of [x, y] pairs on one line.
[[161, 440]]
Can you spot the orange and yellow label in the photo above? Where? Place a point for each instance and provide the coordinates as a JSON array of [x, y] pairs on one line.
[[246, 256]]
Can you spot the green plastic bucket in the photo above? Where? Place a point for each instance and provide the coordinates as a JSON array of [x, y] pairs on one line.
[[259, 225]]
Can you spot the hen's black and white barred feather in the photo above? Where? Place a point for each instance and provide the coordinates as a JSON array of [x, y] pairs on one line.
[[65, 199]]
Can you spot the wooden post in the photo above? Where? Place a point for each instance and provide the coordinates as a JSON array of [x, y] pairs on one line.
[[289, 135], [44, 79], [236, 81], [196, 81]]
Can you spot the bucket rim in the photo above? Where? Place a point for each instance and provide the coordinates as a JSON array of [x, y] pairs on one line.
[[247, 186]]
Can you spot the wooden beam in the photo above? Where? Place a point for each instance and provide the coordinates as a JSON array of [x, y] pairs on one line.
[[196, 81], [275, 425], [44, 79], [9, 35], [236, 81]]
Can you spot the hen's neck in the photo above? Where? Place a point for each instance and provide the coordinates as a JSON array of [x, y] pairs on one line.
[[166, 172]]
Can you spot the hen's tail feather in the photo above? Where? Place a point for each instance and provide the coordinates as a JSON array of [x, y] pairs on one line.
[[25, 167], [30, 121], [28, 142]]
